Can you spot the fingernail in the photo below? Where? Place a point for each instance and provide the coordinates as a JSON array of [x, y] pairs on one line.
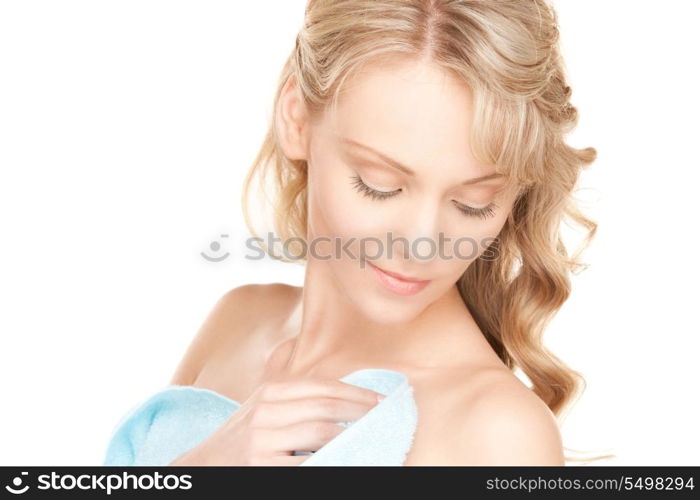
[[380, 397]]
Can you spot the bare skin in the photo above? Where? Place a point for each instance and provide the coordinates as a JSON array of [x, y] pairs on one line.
[[472, 409]]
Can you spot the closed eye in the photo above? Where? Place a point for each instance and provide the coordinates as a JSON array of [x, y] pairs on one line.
[[370, 192], [484, 212]]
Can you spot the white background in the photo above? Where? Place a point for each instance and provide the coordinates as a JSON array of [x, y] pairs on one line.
[[126, 129]]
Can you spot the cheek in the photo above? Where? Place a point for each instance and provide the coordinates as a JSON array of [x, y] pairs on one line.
[[478, 234], [466, 248], [460, 249], [338, 211]]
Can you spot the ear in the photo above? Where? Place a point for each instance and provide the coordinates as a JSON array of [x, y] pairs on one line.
[[291, 121]]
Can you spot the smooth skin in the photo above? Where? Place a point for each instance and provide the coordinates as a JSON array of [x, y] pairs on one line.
[[472, 409]]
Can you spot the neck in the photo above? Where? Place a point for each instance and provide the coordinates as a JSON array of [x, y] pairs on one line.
[[329, 329]]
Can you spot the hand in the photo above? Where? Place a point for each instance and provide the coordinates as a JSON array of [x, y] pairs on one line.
[[280, 417]]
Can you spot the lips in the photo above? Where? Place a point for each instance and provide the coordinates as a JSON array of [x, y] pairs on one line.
[[399, 276], [397, 283]]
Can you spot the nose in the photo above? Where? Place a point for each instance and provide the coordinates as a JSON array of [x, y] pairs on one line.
[[420, 227]]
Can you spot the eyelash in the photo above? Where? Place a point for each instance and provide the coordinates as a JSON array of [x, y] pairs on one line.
[[484, 213]]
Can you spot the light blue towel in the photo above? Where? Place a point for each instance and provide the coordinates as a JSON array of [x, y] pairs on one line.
[[177, 418]]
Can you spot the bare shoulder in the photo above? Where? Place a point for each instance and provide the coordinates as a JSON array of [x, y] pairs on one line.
[[492, 418], [236, 315]]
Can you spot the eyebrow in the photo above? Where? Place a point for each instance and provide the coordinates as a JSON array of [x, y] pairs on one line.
[[357, 145]]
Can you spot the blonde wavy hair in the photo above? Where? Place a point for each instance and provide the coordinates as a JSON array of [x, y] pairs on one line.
[[507, 52]]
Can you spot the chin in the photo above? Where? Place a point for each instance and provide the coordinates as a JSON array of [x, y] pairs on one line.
[[383, 310]]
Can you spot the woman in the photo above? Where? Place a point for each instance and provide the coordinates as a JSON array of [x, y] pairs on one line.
[[427, 123]]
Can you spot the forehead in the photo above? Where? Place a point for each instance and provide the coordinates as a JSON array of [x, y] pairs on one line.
[[413, 111]]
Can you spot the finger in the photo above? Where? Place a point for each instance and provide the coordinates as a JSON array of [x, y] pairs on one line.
[[290, 411], [314, 387], [310, 435]]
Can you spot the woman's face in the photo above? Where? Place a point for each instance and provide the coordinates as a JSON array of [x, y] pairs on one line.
[[395, 163]]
